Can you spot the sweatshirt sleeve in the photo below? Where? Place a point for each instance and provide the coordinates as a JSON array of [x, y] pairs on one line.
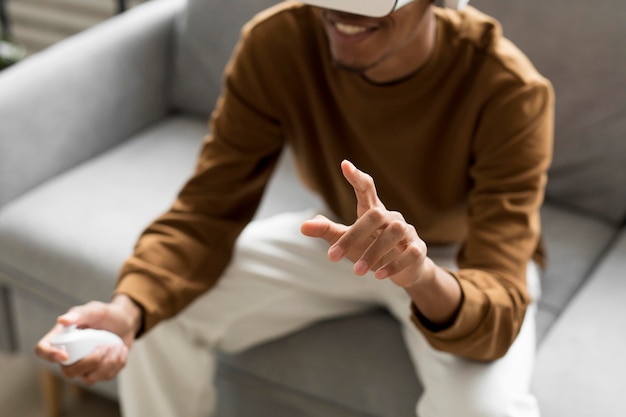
[[511, 155], [183, 252]]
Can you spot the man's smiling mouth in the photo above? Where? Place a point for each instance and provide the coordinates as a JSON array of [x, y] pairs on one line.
[[348, 29]]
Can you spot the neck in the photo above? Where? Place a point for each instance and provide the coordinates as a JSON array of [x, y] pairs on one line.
[[411, 56]]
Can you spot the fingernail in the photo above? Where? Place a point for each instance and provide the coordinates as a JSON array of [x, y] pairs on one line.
[[72, 316], [361, 267], [335, 253], [381, 274]]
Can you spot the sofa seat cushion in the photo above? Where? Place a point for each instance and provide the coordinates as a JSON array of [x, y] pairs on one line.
[[574, 242], [67, 238], [581, 365], [308, 370]]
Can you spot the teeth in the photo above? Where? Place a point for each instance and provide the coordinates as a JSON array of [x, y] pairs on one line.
[[349, 29]]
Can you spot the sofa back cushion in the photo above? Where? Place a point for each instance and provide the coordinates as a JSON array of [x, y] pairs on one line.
[[581, 47], [208, 32]]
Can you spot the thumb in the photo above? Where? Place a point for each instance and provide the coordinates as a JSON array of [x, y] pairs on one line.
[[322, 227], [87, 315]]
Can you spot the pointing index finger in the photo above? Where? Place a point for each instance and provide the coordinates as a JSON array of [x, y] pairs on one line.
[[363, 184]]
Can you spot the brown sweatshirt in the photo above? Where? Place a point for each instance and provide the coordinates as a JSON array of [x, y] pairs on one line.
[[460, 148]]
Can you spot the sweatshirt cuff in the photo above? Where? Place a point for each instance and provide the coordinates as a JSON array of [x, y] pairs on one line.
[[148, 295], [453, 338]]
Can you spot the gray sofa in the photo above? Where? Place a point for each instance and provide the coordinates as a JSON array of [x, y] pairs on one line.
[[98, 132]]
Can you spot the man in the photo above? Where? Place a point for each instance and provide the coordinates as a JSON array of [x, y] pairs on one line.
[[422, 130]]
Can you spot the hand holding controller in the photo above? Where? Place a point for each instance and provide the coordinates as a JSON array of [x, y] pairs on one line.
[[79, 343]]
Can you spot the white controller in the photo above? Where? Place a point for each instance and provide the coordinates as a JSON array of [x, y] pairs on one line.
[[78, 343]]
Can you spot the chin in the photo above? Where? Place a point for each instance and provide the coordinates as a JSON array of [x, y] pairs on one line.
[[350, 67], [353, 65]]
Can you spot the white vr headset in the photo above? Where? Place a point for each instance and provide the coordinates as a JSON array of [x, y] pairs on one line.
[[376, 8]]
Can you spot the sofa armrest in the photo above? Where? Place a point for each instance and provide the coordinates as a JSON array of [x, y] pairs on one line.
[[73, 100], [581, 364]]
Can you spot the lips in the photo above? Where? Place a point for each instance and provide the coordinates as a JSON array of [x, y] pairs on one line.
[[349, 26], [350, 33]]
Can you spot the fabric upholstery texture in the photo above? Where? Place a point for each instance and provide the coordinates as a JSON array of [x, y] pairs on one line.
[[204, 49], [112, 198], [574, 242], [100, 95], [315, 367], [580, 370]]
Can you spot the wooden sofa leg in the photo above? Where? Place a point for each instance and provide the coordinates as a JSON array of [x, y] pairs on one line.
[[76, 391], [51, 387]]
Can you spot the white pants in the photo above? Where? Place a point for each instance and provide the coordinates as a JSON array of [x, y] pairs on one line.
[[280, 281]]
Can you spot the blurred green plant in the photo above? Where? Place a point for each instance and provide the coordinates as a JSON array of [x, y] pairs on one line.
[[10, 52]]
